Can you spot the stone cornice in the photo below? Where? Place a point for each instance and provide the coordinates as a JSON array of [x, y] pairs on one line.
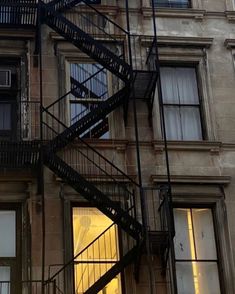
[[206, 146], [175, 13], [199, 42], [229, 43], [192, 179]]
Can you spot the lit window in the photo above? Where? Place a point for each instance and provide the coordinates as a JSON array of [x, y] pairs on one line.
[[181, 103], [195, 251], [96, 247], [90, 88], [172, 3]]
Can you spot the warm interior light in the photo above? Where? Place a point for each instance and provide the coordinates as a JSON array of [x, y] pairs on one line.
[[88, 223], [192, 250]]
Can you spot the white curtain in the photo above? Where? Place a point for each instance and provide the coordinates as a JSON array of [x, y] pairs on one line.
[[8, 230], [179, 88]]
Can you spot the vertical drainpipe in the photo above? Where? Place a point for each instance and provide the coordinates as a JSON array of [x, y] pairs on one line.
[[142, 198], [163, 124], [39, 25]]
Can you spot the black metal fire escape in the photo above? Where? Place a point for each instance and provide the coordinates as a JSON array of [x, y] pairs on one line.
[[64, 149]]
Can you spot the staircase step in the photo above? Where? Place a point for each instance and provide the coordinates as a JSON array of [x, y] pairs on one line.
[[114, 271], [62, 5], [93, 48], [98, 130], [81, 91], [93, 195], [89, 120]]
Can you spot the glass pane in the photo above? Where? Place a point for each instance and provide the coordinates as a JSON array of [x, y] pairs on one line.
[[96, 257], [204, 234], [8, 230], [172, 122], [187, 85], [169, 85], [191, 123], [184, 242], [5, 274], [197, 278], [5, 116]]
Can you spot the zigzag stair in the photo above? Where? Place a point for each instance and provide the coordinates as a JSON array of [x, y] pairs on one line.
[[89, 120], [87, 44], [114, 271], [93, 195]]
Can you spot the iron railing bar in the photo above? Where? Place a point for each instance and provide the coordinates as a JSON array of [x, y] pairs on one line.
[[102, 30], [72, 260], [104, 16], [94, 150], [66, 94]]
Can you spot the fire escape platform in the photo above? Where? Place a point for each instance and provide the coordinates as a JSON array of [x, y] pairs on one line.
[[159, 241], [24, 154], [144, 84]]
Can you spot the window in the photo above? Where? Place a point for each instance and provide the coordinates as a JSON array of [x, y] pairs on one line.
[[89, 85], [94, 255], [172, 3], [9, 250], [196, 252], [181, 103]]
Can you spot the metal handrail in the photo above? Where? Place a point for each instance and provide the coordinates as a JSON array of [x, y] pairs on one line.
[[94, 150]]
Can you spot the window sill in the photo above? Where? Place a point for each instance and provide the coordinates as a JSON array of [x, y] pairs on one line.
[[175, 12], [207, 146]]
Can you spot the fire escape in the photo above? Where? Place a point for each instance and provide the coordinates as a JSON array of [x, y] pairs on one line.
[[63, 147]]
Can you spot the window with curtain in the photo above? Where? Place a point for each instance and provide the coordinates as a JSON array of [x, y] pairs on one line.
[[181, 103], [195, 251], [172, 3]]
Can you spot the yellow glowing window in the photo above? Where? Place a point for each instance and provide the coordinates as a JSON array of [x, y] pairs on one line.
[[95, 244], [195, 251]]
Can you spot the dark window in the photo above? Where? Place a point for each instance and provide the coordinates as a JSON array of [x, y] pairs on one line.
[[173, 3], [197, 268], [181, 103]]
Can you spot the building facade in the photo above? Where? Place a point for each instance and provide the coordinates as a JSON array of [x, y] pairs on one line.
[[117, 148]]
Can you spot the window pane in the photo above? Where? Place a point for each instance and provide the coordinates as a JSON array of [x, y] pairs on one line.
[[5, 116], [100, 255], [204, 234], [169, 85], [197, 278], [173, 124], [5, 272], [184, 242], [8, 230], [187, 85], [191, 123]]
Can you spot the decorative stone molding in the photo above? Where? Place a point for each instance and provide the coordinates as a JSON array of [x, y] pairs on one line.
[[196, 14], [230, 43], [192, 179], [198, 42], [206, 146]]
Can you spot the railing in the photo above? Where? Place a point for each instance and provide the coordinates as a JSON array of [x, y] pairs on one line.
[[96, 168], [22, 13], [27, 287], [89, 265]]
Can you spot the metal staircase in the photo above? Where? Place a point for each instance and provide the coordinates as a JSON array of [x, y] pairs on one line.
[[75, 161]]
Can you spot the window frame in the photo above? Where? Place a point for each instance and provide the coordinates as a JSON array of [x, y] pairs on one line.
[[81, 204], [212, 207], [194, 65], [171, 5], [15, 263], [67, 108]]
